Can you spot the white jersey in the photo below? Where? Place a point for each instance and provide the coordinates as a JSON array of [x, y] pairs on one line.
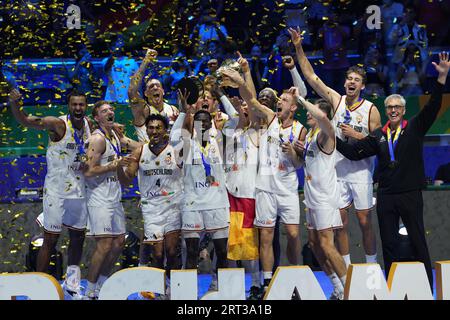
[[160, 177], [199, 194], [104, 190], [347, 170], [170, 112], [321, 186], [64, 178], [274, 166], [242, 165], [291, 134]]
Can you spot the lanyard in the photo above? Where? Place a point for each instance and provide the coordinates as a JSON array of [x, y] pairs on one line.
[[392, 143], [79, 141], [204, 154], [115, 147], [244, 144], [308, 142], [347, 116], [291, 135]]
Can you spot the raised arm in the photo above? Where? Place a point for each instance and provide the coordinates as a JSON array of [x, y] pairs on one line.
[[136, 102], [308, 72], [227, 105], [247, 73], [428, 114], [324, 123], [55, 126], [289, 63], [246, 94]]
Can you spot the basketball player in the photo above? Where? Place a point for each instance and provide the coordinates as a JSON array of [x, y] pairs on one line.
[[322, 193], [153, 102], [159, 171], [205, 206], [104, 174], [64, 202], [277, 159], [354, 118]]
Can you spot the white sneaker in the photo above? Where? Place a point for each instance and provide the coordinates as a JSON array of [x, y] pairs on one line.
[[70, 294]]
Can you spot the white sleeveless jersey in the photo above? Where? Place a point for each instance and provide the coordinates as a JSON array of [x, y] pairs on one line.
[[242, 165], [347, 170], [160, 178], [274, 167], [170, 112], [321, 186], [292, 134], [104, 190], [64, 178], [199, 194]]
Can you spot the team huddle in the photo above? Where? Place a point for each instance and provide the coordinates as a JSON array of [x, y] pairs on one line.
[[232, 175]]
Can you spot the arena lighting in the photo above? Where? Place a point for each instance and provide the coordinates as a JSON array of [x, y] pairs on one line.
[[56, 259]]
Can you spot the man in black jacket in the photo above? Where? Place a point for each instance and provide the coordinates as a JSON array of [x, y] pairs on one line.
[[399, 148]]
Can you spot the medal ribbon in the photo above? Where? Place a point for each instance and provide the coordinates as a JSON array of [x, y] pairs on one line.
[[204, 154], [244, 145], [115, 147], [79, 142], [291, 136], [308, 142], [393, 144]]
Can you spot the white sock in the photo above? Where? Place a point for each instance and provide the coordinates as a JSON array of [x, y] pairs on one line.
[[91, 287], [267, 274], [371, 258], [343, 279], [347, 260], [337, 284], [100, 281]]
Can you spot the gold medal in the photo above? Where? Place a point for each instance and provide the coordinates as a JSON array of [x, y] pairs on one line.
[[83, 157]]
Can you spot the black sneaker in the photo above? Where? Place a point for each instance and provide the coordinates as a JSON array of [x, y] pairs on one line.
[[295, 295], [256, 293]]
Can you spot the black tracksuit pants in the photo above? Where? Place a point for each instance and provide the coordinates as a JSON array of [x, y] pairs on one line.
[[409, 207]]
